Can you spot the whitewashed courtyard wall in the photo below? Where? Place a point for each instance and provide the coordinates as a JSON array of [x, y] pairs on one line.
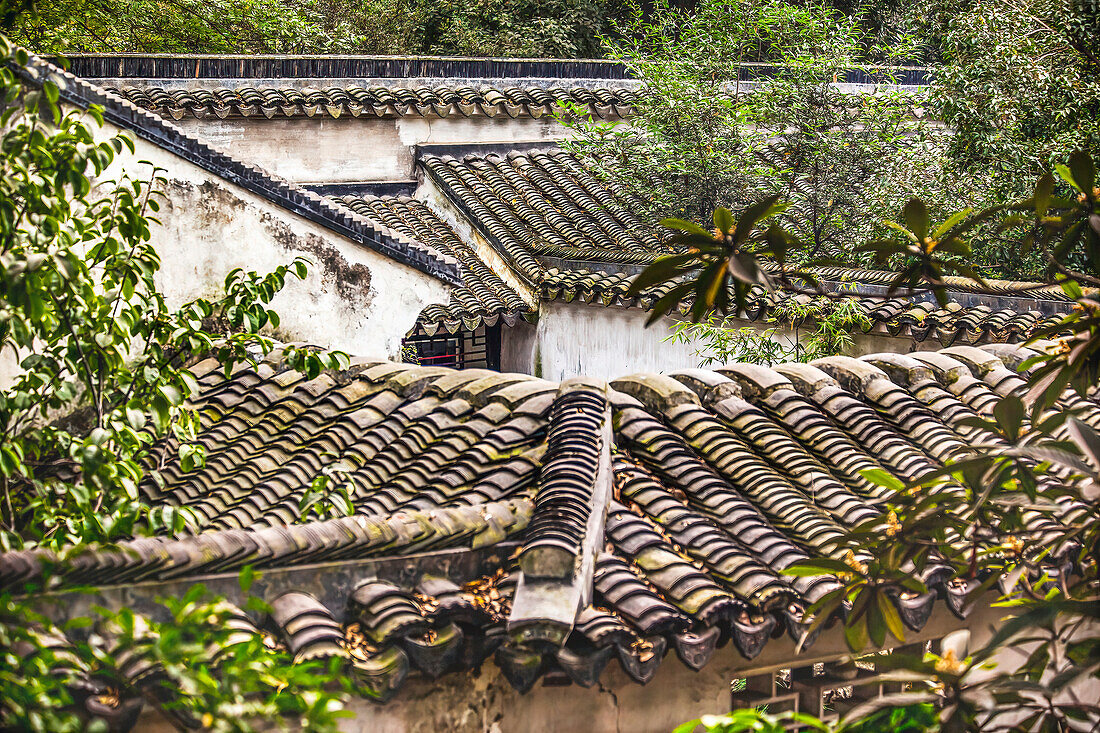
[[354, 298], [349, 149], [573, 339]]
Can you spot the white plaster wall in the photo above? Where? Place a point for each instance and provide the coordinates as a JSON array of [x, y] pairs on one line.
[[603, 343], [517, 347], [349, 149], [353, 299]]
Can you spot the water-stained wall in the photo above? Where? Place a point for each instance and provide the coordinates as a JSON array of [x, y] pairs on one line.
[[572, 339]]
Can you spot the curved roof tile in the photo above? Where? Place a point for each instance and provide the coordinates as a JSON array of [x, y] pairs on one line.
[[377, 101], [721, 479]]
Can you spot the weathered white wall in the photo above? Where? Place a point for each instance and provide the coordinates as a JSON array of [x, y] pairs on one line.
[[517, 347], [603, 342], [353, 299], [348, 149]]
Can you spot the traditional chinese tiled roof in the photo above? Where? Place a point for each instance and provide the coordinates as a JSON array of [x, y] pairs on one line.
[[378, 101], [543, 204], [897, 316], [484, 297], [682, 498], [543, 207], [1014, 288]]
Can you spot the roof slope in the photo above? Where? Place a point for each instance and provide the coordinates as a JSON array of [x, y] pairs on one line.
[[484, 297], [568, 231], [546, 205], [543, 203], [896, 316], [718, 481]]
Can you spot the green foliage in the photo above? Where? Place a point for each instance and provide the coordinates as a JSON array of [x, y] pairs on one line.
[[102, 356], [917, 718], [725, 260], [1022, 494], [523, 28], [716, 343], [831, 324], [198, 668], [922, 255], [328, 495], [102, 374], [176, 26], [529, 28], [37, 675], [1020, 88], [751, 721], [702, 139]]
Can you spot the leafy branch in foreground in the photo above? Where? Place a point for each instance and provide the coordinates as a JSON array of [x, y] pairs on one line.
[[96, 376], [1011, 516], [101, 357], [202, 666], [726, 260]]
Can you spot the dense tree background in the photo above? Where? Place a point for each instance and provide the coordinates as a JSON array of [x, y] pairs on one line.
[[531, 28]]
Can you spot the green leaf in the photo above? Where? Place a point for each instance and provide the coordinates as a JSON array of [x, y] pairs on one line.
[[951, 221], [881, 477], [876, 625], [752, 214], [1087, 440], [686, 226], [661, 271], [891, 616], [246, 577], [915, 214], [1083, 171], [723, 220], [668, 302], [1065, 174], [855, 633], [1009, 413], [1043, 189], [816, 566]]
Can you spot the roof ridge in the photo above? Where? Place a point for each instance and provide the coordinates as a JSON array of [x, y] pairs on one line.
[[240, 66]]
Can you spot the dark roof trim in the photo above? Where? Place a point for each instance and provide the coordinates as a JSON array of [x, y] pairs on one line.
[[459, 151], [963, 298], [176, 66], [171, 66], [363, 188], [150, 127], [999, 295]]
